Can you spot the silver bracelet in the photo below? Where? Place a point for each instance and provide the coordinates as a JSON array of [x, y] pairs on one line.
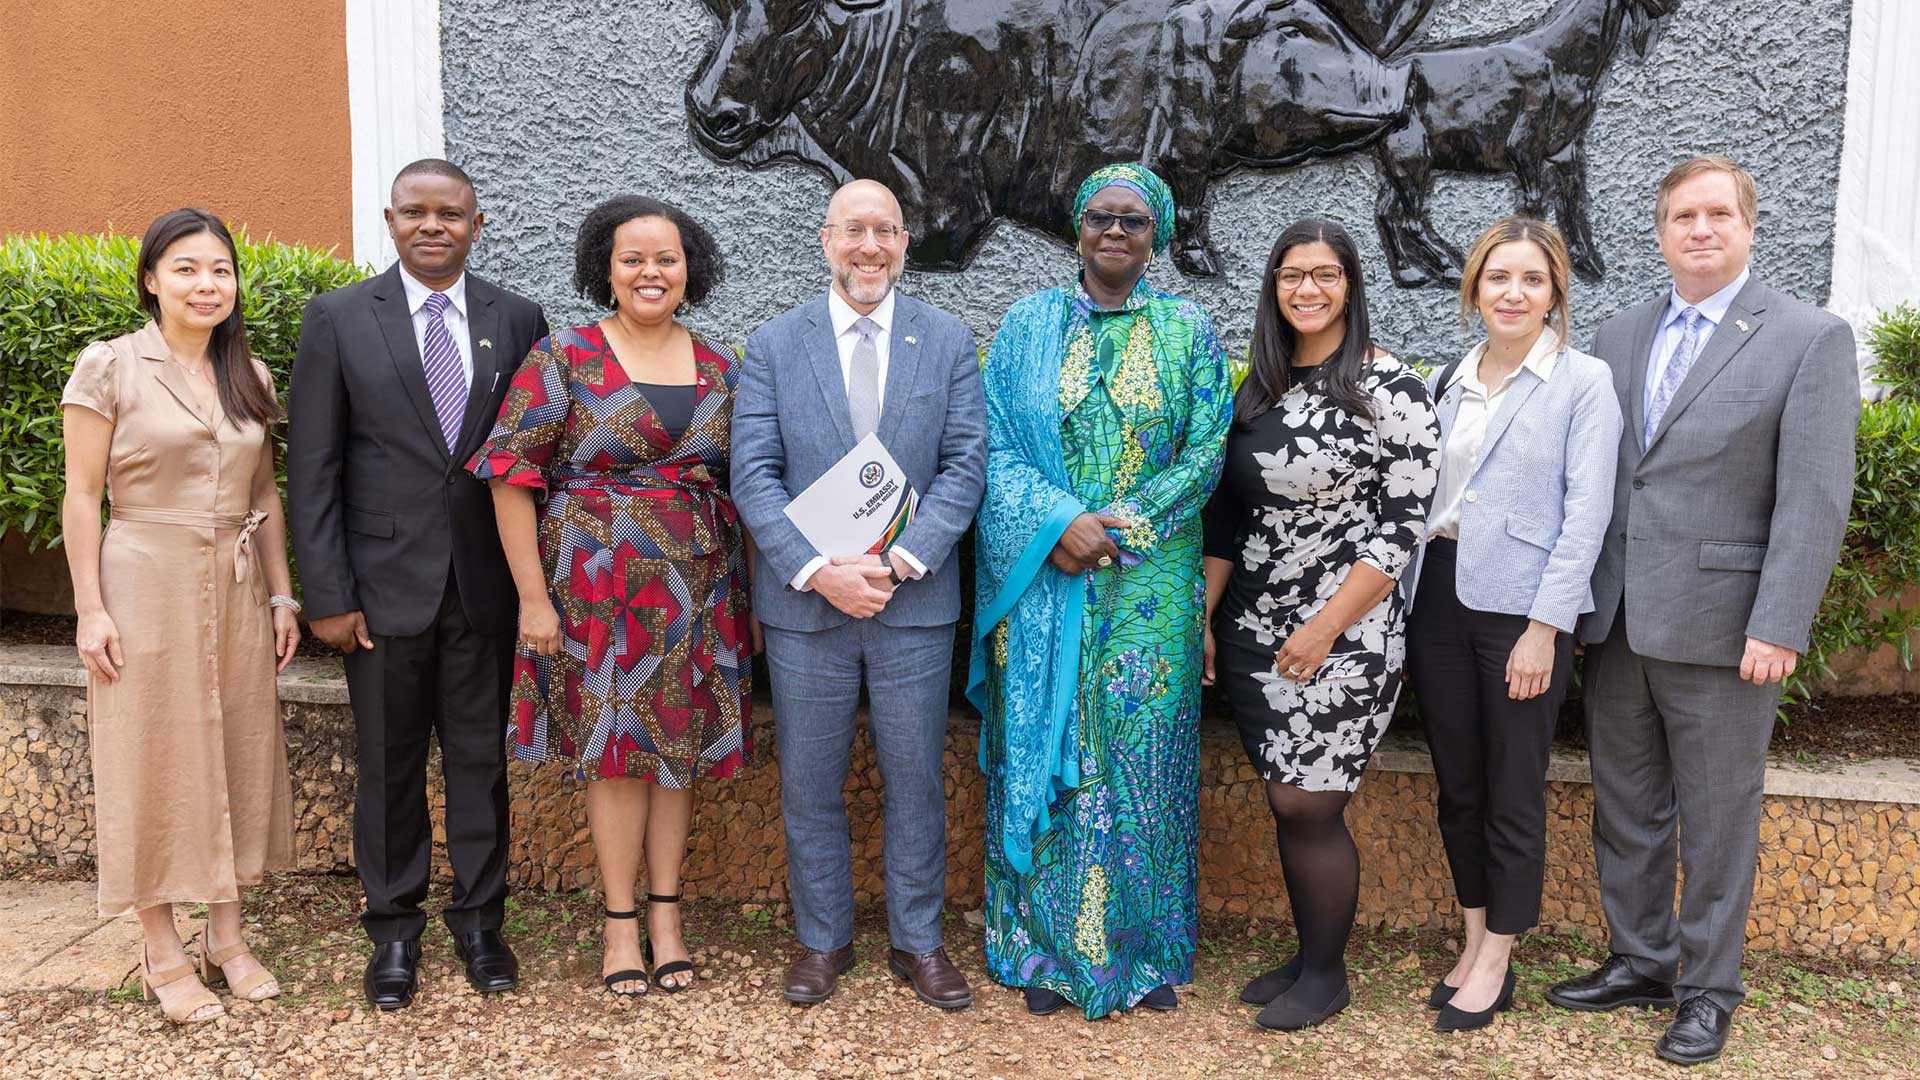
[[287, 602]]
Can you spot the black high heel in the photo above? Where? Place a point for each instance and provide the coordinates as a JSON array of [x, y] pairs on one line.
[[1441, 994], [1452, 1019], [629, 975], [671, 967]]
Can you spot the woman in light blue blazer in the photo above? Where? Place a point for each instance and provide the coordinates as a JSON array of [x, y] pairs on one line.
[[1529, 431]]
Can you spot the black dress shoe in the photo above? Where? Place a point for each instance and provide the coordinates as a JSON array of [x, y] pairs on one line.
[[1161, 999], [1269, 985], [1613, 985], [392, 974], [812, 977], [1041, 1001], [1452, 1019], [491, 967], [1441, 993], [1285, 1014], [1697, 1035]]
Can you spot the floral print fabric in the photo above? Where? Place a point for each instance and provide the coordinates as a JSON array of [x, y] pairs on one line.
[[1108, 909], [1308, 490]]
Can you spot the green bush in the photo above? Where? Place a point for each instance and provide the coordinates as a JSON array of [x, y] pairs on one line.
[[59, 293], [1894, 339], [1880, 558]]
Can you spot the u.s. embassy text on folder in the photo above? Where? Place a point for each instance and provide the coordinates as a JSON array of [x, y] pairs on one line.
[[857, 507]]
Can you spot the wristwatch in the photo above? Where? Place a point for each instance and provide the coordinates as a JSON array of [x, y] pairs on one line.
[[893, 572]]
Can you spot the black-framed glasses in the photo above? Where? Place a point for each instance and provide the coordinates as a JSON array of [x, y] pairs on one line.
[[1131, 224], [1326, 275], [856, 231]]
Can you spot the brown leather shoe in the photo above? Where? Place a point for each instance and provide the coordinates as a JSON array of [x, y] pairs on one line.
[[935, 980], [812, 977]]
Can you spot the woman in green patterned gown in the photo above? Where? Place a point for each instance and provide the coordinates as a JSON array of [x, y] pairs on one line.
[[1107, 405]]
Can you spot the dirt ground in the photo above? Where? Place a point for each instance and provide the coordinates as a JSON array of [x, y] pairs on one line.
[[1804, 1017]]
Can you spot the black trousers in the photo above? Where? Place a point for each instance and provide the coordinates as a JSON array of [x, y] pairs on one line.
[[449, 681], [1489, 751]]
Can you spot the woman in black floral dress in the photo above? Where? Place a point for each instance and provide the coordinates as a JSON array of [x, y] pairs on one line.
[[1328, 470]]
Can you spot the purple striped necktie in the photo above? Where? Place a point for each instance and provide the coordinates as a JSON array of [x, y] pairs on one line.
[[446, 378]]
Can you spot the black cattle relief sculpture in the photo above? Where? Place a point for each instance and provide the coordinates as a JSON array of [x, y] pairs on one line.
[[971, 110]]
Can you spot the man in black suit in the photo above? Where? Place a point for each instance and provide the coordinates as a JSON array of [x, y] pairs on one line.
[[397, 381]]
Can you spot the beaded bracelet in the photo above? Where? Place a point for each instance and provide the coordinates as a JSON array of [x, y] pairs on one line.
[[287, 602]]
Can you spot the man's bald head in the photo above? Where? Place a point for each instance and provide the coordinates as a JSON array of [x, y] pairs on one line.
[[865, 242], [860, 198]]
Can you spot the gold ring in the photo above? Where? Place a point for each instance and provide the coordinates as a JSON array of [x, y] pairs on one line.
[[1105, 561]]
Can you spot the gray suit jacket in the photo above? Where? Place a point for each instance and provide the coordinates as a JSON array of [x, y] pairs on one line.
[[790, 424], [1727, 525], [1538, 500]]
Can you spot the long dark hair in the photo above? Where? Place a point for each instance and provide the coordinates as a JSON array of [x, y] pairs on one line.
[[242, 395], [1275, 342]]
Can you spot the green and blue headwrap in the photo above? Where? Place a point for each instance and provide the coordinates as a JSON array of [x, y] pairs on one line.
[[1141, 181]]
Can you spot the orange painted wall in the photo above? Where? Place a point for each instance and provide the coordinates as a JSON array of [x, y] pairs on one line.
[[113, 111]]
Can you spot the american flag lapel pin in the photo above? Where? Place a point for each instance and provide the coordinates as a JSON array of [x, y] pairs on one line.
[[1742, 324], [487, 344]]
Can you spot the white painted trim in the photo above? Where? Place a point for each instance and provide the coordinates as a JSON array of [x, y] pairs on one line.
[[1876, 243], [394, 103]]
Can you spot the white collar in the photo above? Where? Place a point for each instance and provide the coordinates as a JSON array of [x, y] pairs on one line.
[[417, 292], [1541, 359], [1713, 308], [844, 316]]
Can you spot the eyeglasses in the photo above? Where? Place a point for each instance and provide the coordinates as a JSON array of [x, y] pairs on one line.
[[1131, 224], [1326, 275], [855, 232]]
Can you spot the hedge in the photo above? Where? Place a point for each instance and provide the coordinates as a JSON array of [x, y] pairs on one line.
[[57, 294]]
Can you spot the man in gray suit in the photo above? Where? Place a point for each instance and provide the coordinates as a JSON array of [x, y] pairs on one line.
[[1730, 502], [862, 359]]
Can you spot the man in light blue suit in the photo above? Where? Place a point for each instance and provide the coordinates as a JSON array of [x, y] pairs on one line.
[[816, 380]]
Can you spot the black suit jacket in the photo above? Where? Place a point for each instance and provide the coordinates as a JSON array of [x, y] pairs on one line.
[[377, 506]]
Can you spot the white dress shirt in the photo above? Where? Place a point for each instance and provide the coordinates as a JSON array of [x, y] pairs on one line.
[[845, 337], [455, 316], [1713, 311], [1478, 403]]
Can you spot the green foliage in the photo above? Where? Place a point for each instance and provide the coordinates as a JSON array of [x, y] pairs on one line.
[[1894, 339], [59, 293], [1881, 555]]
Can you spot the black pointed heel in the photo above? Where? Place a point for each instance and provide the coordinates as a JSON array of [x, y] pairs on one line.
[[1452, 1019], [671, 967], [614, 980], [1441, 993]]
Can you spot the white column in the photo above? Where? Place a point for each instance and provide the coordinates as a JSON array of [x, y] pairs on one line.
[[1876, 244], [393, 100]]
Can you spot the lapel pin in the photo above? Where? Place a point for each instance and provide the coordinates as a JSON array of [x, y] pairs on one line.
[[486, 344], [1742, 324], [911, 340]]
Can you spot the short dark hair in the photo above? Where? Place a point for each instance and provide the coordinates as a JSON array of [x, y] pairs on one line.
[[593, 249], [434, 166]]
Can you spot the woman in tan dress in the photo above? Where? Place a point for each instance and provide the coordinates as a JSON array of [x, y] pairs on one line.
[[183, 610]]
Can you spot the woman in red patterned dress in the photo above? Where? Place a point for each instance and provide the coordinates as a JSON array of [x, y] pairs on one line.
[[633, 662]]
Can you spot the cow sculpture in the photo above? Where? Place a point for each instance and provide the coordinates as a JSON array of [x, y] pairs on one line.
[[972, 110]]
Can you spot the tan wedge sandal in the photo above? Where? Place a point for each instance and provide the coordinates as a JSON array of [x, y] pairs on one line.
[[187, 1008], [258, 985]]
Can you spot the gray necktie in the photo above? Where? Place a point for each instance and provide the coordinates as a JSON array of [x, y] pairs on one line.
[[863, 380], [1678, 365]]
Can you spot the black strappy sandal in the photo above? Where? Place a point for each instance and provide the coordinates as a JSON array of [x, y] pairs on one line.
[[614, 980], [672, 967]]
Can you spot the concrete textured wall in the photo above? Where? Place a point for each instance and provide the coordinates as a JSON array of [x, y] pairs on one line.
[[552, 107], [114, 113]]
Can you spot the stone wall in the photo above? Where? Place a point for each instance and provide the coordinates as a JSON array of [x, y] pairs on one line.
[[1839, 872]]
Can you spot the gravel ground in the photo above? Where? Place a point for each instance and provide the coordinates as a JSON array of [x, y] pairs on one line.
[[1804, 1018]]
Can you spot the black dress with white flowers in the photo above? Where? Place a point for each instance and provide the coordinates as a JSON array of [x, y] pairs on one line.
[[1308, 490]]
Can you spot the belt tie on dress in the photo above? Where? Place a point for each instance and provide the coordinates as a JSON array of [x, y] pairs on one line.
[[204, 519]]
